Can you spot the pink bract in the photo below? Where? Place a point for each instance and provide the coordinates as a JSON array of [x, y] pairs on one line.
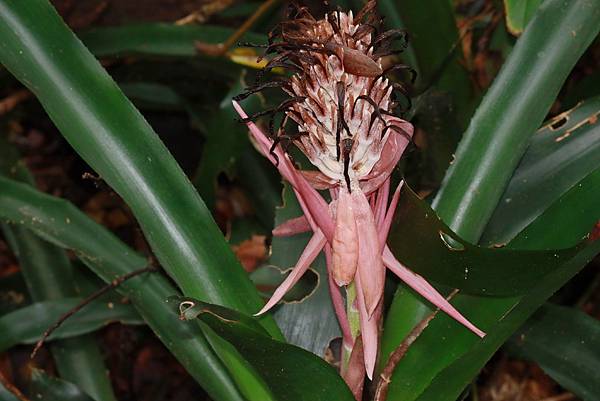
[[354, 237]]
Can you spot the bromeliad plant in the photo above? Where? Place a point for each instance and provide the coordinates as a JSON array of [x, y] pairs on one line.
[[343, 102]]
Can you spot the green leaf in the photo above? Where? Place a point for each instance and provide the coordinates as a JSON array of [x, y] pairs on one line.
[[60, 223], [161, 96], [284, 368], [569, 219], [422, 242], [519, 13], [445, 358], [46, 388], [565, 343], [49, 276], [312, 323], [563, 152], [26, 325], [157, 39], [48, 273], [249, 381], [406, 311], [118, 143], [512, 109]]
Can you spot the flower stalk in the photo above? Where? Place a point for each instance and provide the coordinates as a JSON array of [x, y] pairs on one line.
[[354, 324]]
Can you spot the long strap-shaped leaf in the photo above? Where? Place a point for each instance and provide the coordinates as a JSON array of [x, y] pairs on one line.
[[60, 223], [512, 110], [112, 136], [48, 273]]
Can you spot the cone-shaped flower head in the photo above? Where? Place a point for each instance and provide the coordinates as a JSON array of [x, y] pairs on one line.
[[341, 92], [340, 99]]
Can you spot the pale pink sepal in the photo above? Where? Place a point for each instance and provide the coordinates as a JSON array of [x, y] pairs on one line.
[[282, 163], [368, 330], [345, 240], [314, 207], [339, 304], [420, 285], [384, 227], [380, 206], [314, 246], [312, 203], [392, 151], [370, 266], [291, 227]]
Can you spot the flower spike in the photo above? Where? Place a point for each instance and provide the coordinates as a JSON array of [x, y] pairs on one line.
[[341, 101]]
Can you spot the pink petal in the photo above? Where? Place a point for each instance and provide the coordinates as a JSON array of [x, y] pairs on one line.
[[420, 285], [345, 241], [316, 210], [368, 330], [384, 227], [392, 151], [381, 205], [314, 246], [311, 202], [292, 227], [283, 164], [370, 265], [338, 302]]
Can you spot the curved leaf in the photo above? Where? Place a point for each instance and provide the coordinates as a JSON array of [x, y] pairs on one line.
[[47, 388], [49, 276], [26, 325], [569, 219], [563, 152], [512, 109], [284, 368], [422, 242], [111, 135], [566, 344], [60, 223], [444, 359]]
